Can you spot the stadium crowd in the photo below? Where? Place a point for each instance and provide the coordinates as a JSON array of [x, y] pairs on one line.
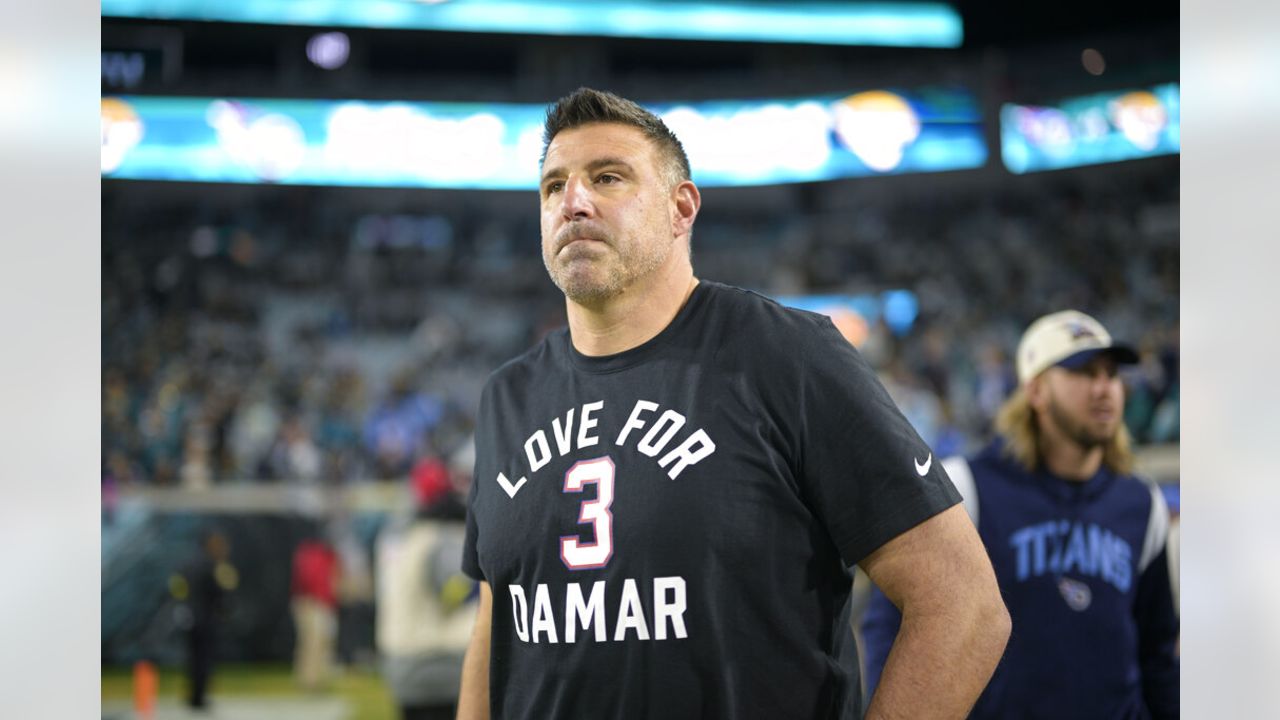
[[291, 338]]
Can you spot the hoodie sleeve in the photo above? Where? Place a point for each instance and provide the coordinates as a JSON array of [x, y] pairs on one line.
[[1157, 619]]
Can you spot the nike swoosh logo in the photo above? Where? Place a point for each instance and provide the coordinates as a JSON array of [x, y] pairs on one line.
[[508, 487], [922, 468]]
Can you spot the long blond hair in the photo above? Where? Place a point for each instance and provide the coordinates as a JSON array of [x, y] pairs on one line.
[[1017, 423]]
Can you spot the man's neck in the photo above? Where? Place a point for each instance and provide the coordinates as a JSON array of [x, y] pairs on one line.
[[632, 318], [1070, 460]]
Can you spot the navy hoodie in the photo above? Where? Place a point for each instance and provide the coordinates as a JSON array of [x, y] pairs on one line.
[[1083, 570]]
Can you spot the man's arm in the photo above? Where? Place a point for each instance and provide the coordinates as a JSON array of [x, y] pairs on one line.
[[879, 629], [954, 623], [473, 697]]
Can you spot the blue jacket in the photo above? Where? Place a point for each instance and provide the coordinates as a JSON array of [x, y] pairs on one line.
[[1083, 570]]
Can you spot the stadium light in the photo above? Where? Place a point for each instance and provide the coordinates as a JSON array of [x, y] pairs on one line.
[[329, 50]]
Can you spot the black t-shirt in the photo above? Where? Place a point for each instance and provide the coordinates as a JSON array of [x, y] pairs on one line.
[[669, 531]]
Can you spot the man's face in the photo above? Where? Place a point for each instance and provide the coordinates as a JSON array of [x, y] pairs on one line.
[[606, 211], [1085, 405]]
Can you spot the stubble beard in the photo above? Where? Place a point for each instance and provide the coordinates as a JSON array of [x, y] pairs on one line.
[[591, 276], [1080, 432]]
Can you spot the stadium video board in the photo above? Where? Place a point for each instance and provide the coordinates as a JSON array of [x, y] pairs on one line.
[[1102, 128], [497, 146], [896, 24]]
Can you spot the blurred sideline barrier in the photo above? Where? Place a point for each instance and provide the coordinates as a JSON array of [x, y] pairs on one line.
[[309, 501], [1155, 462]]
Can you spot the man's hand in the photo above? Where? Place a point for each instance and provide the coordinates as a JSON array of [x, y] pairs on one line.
[[954, 622]]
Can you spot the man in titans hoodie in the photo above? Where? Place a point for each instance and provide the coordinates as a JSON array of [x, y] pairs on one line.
[[1077, 542]]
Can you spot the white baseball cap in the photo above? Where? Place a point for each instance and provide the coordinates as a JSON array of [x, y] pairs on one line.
[[1069, 339]]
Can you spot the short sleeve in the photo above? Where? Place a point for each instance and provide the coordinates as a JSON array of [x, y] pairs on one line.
[[867, 473], [483, 441], [470, 557]]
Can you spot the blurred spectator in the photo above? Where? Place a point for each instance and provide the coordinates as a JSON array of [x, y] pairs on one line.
[[339, 425], [921, 407], [995, 381], [397, 429], [1165, 420], [110, 498], [354, 592], [196, 472], [426, 605], [204, 584], [1152, 410], [118, 472], [1078, 543], [254, 428], [293, 456], [315, 576]]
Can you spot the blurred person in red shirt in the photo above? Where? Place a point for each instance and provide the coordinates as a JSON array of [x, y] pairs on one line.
[[315, 576]]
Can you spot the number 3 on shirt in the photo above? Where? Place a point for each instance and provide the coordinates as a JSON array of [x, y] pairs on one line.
[[585, 556]]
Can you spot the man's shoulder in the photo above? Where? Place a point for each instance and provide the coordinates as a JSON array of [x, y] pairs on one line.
[[768, 309], [763, 322], [1136, 490], [994, 464]]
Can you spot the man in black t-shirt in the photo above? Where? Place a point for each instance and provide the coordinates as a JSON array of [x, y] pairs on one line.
[[669, 494]]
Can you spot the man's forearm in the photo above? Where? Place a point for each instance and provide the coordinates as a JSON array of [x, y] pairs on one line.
[[940, 662], [473, 695]]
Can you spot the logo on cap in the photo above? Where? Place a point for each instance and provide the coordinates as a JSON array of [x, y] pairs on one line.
[[1080, 330]]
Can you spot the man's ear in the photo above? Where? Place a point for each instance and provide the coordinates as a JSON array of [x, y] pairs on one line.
[[686, 202]]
